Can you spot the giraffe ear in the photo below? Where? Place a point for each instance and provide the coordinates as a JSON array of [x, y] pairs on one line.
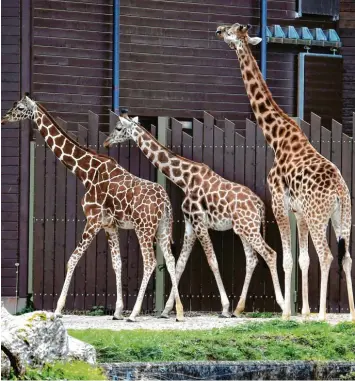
[[135, 119], [254, 40]]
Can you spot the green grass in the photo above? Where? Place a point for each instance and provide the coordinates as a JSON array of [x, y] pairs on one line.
[[75, 370], [272, 340]]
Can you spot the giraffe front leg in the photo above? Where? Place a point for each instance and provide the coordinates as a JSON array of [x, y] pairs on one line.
[[281, 215], [149, 264], [303, 261], [251, 260], [189, 240], [204, 238], [164, 242], [114, 244], [92, 227]]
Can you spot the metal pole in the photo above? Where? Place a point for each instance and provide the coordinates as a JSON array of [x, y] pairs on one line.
[[116, 57], [163, 124], [31, 217], [263, 21]]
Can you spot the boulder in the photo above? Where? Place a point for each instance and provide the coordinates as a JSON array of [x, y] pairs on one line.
[[36, 338]]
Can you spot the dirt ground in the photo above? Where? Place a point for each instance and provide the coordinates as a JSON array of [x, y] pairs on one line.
[[202, 322]]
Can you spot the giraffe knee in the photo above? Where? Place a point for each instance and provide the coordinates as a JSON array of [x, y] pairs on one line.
[[303, 261]]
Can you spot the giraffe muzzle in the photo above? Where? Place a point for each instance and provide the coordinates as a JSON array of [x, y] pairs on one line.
[[107, 144]]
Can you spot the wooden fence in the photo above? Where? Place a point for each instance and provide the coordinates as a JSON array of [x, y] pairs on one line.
[[59, 222]]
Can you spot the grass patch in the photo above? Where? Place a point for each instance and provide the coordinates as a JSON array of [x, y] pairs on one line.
[[75, 370], [272, 340]]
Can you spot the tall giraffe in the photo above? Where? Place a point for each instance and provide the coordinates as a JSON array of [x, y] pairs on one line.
[[114, 199], [211, 202], [301, 180]]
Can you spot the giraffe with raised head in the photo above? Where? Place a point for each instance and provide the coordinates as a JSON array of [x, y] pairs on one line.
[[301, 180], [211, 202], [114, 199]]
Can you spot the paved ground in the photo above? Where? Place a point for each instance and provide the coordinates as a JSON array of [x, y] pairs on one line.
[[191, 322]]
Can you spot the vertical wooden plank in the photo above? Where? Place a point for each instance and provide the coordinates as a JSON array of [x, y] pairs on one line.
[[198, 258], [228, 236], [216, 236], [93, 134], [135, 262], [60, 225], [261, 278], [325, 149], [209, 284], [114, 152], [152, 176], [306, 128], [49, 230], [38, 254], [101, 250], [336, 156], [346, 172], [352, 248], [176, 201], [185, 284], [238, 252], [79, 276], [250, 140], [124, 162], [314, 278]]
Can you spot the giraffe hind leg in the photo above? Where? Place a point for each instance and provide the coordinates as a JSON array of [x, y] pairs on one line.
[[189, 240]]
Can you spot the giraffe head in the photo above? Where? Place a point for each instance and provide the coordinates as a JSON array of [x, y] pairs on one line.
[[236, 36], [23, 109], [122, 131]]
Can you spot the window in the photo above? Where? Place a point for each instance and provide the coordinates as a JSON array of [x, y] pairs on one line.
[[319, 7]]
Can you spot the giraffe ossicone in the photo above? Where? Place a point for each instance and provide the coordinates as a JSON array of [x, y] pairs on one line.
[[114, 199], [301, 180], [210, 202]]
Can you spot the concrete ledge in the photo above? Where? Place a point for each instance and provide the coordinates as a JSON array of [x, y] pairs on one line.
[[238, 370]]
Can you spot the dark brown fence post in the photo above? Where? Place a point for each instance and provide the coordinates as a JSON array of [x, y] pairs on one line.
[[209, 284], [197, 257], [346, 172], [38, 257], [80, 273], [334, 289]]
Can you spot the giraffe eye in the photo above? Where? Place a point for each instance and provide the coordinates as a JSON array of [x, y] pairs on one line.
[[21, 108]]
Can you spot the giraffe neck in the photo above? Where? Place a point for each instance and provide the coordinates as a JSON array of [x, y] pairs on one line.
[[77, 159], [176, 168], [276, 125]]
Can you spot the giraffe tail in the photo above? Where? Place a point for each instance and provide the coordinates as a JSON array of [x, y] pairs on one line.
[[342, 244]]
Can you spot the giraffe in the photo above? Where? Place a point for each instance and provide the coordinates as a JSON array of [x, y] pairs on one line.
[[114, 199], [211, 202], [301, 180]]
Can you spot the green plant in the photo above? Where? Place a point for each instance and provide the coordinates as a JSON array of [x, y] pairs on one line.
[[272, 340], [76, 370], [348, 376], [97, 311], [29, 307]]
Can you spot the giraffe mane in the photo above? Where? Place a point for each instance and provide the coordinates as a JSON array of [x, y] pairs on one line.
[[65, 133], [166, 148], [268, 92]]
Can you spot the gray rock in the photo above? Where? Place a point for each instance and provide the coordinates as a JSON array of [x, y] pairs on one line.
[[37, 338]]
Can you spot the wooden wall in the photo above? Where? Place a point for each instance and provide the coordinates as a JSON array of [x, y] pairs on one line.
[[347, 35], [72, 67], [10, 150], [172, 64]]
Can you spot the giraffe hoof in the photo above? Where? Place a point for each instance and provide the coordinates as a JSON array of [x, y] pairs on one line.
[[286, 316], [164, 316], [179, 320], [131, 320], [237, 316], [224, 315], [117, 318], [58, 315]]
